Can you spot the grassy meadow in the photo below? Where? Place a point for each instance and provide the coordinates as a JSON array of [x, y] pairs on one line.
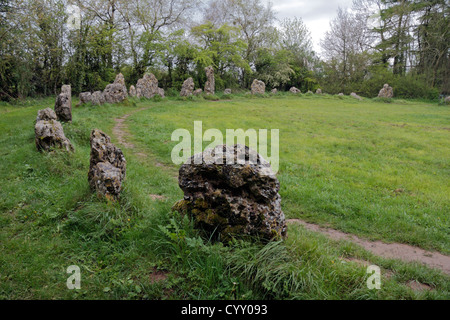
[[375, 169]]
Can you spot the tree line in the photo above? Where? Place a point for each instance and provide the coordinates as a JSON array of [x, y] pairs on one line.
[[45, 43]]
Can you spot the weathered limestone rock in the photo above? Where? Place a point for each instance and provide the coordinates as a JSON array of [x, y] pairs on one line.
[[319, 91], [198, 92], [147, 87], [294, 90], [63, 104], [210, 85], [274, 90], [49, 133], [341, 94], [46, 114], [227, 91], [230, 200], [98, 98], [447, 100], [187, 88], [107, 167], [85, 97], [386, 91], [309, 92], [117, 91], [354, 95], [258, 87], [132, 91]]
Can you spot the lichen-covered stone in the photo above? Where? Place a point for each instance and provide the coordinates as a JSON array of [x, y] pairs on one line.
[[63, 104], [354, 95], [294, 90], [147, 87], [198, 92], [319, 91], [117, 91], [49, 134], [258, 87], [132, 91], [447, 100], [187, 87], [231, 199], [85, 97], [210, 85], [46, 114], [386, 91], [227, 91], [98, 98], [104, 157], [274, 91]]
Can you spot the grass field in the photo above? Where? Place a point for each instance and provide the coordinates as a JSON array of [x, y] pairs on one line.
[[378, 170]]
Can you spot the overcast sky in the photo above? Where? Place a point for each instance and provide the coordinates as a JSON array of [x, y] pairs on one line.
[[316, 14]]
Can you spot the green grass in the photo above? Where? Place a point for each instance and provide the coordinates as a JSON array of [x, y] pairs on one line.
[[341, 162]]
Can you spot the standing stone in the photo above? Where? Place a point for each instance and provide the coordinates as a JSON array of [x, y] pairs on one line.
[[258, 87], [117, 91], [340, 94], [319, 91], [107, 167], [198, 92], [231, 199], [210, 85], [227, 91], [132, 91], [49, 133], [46, 114], [354, 95], [85, 97], [386, 91], [447, 100], [274, 91], [294, 90], [187, 88], [147, 87], [63, 104], [98, 98]]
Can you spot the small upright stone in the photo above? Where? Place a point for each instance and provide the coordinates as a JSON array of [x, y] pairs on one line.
[[63, 104], [98, 98], [319, 91], [386, 92], [227, 91], [132, 91], [107, 167], [210, 85], [258, 87], [294, 90], [274, 91], [187, 88], [49, 133], [198, 92], [85, 97]]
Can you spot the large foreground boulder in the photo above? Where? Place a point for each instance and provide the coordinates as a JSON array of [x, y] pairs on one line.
[[49, 133], [231, 199], [63, 104], [386, 91], [258, 87], [117, 91], [187, 87], [107, 166], [210, 85]]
